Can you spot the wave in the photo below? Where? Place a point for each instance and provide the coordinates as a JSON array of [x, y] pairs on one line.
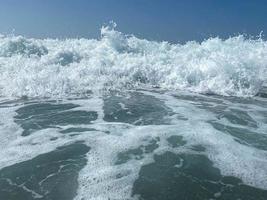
[[236, 66]]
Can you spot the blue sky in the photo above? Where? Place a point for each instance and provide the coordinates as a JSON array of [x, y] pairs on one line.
[[172, 20]]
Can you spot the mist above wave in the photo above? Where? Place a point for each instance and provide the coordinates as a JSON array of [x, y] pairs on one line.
[[50, 67]]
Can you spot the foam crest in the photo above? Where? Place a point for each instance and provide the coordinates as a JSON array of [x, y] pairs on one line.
[[50, 67], [20, 46]]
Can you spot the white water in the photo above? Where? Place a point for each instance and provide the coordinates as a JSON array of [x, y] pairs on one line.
[[33, 67]]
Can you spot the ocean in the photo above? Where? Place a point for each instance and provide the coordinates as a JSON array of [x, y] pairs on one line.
[[123, 118]]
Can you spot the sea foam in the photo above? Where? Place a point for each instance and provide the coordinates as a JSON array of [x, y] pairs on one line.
[[236, 66]]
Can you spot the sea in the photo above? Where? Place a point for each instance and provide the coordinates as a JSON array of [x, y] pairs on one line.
[[124, 118]]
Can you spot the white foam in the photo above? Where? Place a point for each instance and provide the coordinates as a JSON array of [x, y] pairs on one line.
[[232, 158], [236, 66], [15, 148], [99, 178]]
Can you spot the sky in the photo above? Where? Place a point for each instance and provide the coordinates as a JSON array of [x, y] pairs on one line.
[[169, 20]]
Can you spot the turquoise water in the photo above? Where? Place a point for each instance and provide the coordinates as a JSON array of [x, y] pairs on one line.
[[139, 144]]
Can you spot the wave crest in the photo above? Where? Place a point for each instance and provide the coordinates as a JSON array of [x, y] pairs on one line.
[[236, 66], [10, 46]]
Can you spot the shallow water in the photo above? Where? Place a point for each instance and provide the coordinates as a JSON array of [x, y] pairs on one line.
[[139, 144]]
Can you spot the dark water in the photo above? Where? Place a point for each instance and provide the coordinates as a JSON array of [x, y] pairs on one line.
[[136, 145]]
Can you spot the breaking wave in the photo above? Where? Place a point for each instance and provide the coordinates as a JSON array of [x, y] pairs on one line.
[[50, 67]]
